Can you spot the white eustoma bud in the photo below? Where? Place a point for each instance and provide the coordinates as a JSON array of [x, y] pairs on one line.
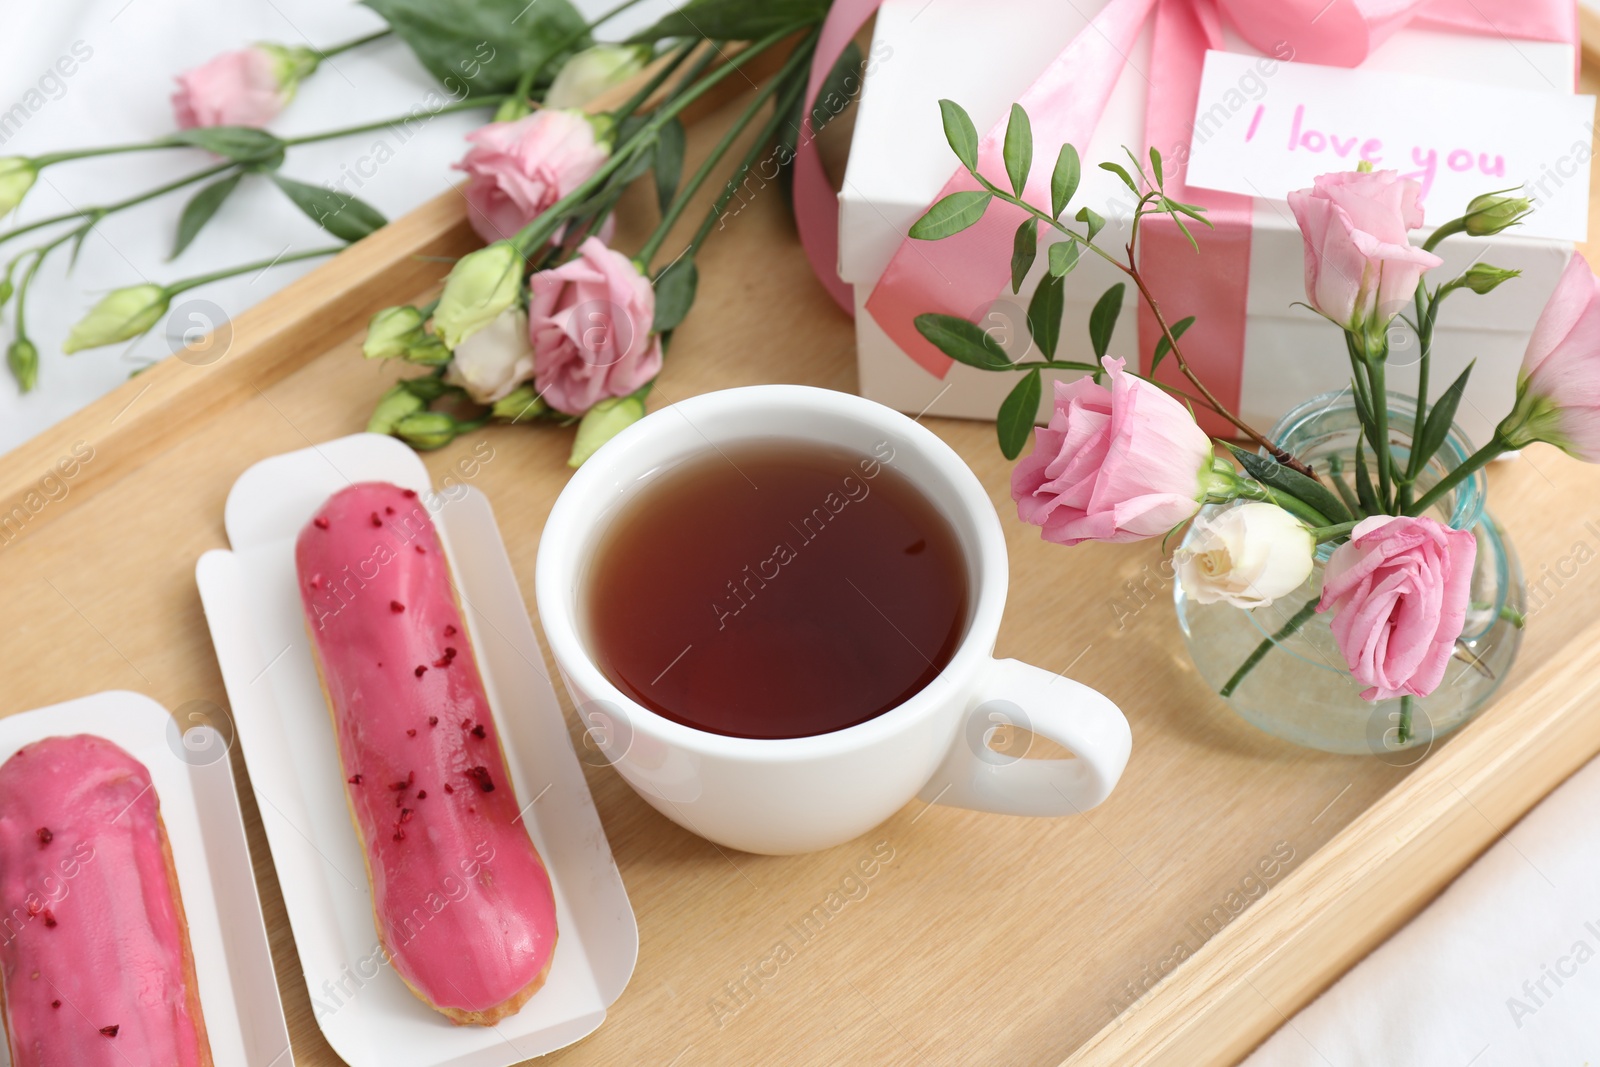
[[1248, 555], [593, 71], [496, 359]]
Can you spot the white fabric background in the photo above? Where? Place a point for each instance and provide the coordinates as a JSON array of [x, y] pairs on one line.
[[1435, 994], [121, 94], [1449, 989]]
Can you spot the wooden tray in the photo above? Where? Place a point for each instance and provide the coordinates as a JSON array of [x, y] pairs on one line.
[[1229, 878]]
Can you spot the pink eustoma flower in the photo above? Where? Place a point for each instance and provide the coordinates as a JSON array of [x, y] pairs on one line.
[[590, 324], [1398, 592], [1558, 388], [244, 88], [1114, 464], [1361, 267], [517, 170]]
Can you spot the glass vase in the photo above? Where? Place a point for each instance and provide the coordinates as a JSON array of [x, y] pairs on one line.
[[1301, 690]]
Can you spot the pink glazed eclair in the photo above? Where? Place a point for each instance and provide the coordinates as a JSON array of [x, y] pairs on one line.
[[94, 949], [462, 901]]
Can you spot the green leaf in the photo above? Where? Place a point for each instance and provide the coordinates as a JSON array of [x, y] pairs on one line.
[[1103, 319], [732, 20], [1063, 257], [960, 132], [963, 341], [1308, 491], [1064, 180], [1163, 345], [951, 215], [1176, 221], [668, 162], [1155, 166], [842, 84], [675, 289], [1443, 414], [838, 91], [479, 47], [1014, 423], [1194, 211], [343, 216], [1024, 247], [1018, 149], [1122, 172], [198, 211], [242, 144], [1044, 314], [1092, 220], [1364, 490]]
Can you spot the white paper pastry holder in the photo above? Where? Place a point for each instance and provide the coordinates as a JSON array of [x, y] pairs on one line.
[[194, 786], [253, 608]]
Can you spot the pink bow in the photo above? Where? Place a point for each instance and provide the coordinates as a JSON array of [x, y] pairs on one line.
[[1066, 103]]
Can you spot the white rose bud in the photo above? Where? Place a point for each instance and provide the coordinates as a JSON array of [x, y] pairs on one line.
[[481, 285], [121, 315], [593, 71], [492, 362], [1248, 555]]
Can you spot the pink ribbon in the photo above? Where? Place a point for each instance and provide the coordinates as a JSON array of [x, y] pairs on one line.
[[1065, 104]]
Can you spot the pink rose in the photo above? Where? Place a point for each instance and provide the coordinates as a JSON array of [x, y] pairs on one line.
[[519, 169], [1558, 388], [1398, 592], [243, 88], [590, 323], [1361, 268], [1117, 464]]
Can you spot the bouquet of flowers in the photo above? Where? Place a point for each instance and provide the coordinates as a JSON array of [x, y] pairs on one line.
[[547, 323], [1122, 458]]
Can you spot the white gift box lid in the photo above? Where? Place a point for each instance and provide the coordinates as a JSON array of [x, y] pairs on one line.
[[985, 56]]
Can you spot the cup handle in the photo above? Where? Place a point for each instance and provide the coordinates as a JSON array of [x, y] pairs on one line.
[[1078, 718]]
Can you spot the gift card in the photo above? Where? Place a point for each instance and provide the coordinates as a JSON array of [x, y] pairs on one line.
[[1264, 127]]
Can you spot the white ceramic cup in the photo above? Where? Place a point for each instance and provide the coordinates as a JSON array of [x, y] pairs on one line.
[[806, 793]]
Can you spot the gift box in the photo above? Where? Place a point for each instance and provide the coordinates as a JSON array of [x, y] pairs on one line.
[[986, 56]]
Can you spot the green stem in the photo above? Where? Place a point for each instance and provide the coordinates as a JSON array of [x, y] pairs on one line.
[[465, 104], [538, 231], [657, 80], [1380, 419], [669, 218], [39, 255], [174, 288], [780, 114], [1358, 381], [51, 158], [1334, 532], [106, 209], [1336, 475], [1064, 364], [1424, 308], [334, 50], [1307, 514], [1297, 620], [1403, 732], [1449, 229], [603, 17], [1465, 470], [172, 142]]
